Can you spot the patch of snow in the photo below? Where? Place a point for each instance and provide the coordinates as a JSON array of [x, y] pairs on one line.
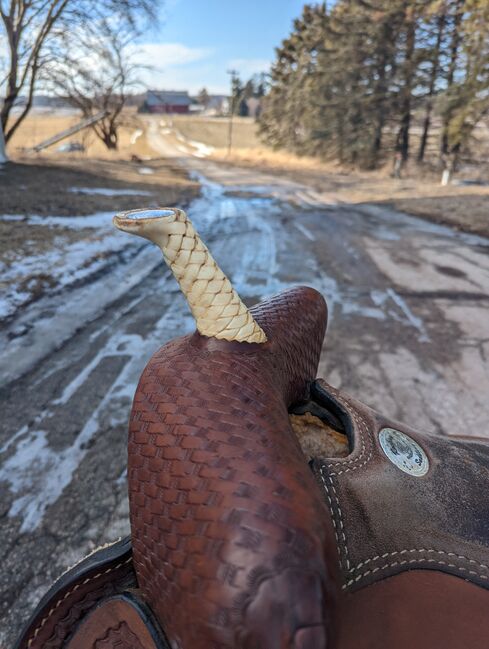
[[55, 268], [13, 217], [136, 135], [203, 150], [145, 171], [36, 473], [55, 324], [106, 191], [97, 220], [65, 263], [412, 319], [304, 231]]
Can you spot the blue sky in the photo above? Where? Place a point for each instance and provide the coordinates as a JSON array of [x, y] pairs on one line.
[[198, 40]]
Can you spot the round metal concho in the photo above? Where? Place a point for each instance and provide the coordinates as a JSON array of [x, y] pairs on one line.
[[404, 452]]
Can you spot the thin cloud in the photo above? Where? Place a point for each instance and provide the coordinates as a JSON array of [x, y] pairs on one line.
[[166, 55]]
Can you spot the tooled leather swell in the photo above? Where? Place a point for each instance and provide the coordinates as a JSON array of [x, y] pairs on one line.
[[229, 528]]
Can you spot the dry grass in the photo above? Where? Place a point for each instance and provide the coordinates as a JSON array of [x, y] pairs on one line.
[[213, 131], [274, 160], [38, 126]]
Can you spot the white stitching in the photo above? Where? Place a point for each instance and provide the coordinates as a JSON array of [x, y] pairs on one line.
[[363, 430], [418, 560], [420, 550], [85, 581], [340, 518], [401, 563]]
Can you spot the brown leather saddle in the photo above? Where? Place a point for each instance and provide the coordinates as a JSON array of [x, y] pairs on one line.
[[269, 510]]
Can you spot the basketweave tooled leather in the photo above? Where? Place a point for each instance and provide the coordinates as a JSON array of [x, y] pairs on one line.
[[231, 539]]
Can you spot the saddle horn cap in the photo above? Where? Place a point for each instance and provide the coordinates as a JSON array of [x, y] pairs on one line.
[[217, 308]]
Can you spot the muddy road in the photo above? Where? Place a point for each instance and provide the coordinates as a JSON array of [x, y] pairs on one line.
[[408, 333]]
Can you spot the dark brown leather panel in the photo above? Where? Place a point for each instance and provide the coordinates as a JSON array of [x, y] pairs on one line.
[[414, 610], [121, 622], [228, 524], [104, 573], [388, 521]]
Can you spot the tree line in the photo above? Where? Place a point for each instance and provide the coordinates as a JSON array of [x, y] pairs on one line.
[[367, 79]]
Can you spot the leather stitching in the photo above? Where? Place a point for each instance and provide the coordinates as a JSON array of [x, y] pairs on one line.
[[363, 430], [340, 519], [71, 591], [339, 528], [429, 550], [419, 562]]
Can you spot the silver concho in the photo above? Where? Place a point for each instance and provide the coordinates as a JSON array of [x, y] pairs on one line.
[[404, 452]]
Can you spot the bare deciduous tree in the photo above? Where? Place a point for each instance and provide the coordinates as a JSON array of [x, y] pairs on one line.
[[31, 29], [96, 74], [27, 25]]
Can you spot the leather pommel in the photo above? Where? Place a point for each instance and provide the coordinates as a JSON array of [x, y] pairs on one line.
[[229, 529], [217, 308]]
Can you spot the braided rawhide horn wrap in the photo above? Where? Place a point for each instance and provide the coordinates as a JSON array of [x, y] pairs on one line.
[[231, 541], [215, 305]]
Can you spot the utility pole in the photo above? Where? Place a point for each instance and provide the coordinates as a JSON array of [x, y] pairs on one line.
[[233, 74]]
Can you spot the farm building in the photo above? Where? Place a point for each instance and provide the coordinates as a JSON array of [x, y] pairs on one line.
[[166, 101]]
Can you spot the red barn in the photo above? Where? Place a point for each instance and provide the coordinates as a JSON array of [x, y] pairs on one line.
[[166, 101]]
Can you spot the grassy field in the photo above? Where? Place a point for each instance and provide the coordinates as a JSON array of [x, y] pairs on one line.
[[32, 177], [37, 127], [214, 131]]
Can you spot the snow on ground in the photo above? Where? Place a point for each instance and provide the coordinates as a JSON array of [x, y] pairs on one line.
[[136, 135], [187, 146], [65, 263], [107, 191], [36, 473], [202, 150]]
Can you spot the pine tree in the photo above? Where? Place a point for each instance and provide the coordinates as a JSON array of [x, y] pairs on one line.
[[349, 81], [455, 17], [437, 18], [282, 121], [468, 98]]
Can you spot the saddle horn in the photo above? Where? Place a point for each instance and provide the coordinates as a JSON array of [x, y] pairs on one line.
[[218, 310]]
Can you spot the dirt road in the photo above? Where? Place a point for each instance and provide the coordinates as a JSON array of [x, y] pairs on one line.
[[408, 334]]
